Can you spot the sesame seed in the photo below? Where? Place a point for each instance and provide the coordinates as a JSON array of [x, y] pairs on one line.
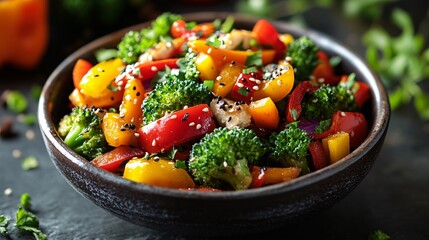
[[16, 153], [288, 59], [252, 79], [156, 158], [206, 109], [279, 83], [225, 164], [185, 107], [257, 81], [154, 68], [128, 97], [209, 50], [174, 116], [198, 126], [29, 134], [137, 134], [343, 114], [191, 124], [8, 191], [240, 85], [169, 44], [256, 88], [218, 78], [154, 143], [229, 119]]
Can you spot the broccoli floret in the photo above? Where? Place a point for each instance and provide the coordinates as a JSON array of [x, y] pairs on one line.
[[304, 59], [325, 101], [172, 95], [222, 157], [82, 132], [135, 43], [289, 147], [187, 68]]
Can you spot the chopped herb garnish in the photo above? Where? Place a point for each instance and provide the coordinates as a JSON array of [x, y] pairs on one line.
[[249, 70], [29, 119], [243, 91], [29, 163], [25, 201], [227, 25], [209, 84], [106, 54], [113, 88], [16, 102], [27, 221], [254, 59], [4, 221], [323, 126], [214, 41], [378, 235], [180, 164], [335, 61], [294, 114]]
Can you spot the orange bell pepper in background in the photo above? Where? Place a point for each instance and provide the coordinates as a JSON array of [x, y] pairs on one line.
[[24, 32]]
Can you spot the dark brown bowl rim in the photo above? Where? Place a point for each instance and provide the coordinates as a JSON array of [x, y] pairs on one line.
[[381, 114]]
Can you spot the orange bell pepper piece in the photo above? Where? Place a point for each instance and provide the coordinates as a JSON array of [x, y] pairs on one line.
[[24, 32], [264, 113], [279, 87]]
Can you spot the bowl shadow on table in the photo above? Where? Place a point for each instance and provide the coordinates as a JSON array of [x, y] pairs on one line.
[[194, 213]]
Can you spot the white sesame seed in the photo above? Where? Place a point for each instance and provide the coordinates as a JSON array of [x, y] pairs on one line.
[[174, 116], [256, 88], [206, 109], [16, 153], [137, 134], [185, 107], [128, 97], [168, 44], [154, 143], [198, 126], [218, 78], [29, 134], [279, 83], [191, 124], [225, 164], [209, 50], [240, 85], [252, 79], [288, 59], [321, 80], [154, 68], [257, 81], [120, 83], [343, 114], [8, 191], [135, 101]]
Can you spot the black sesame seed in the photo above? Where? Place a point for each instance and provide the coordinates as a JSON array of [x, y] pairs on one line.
[[185, 117]]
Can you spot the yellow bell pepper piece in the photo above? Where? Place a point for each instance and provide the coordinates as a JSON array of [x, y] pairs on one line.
[[206, 66], [98, 81], [337, 146], [227, 77], [279, 87], [161, 173], [275, 175], [264, 113], [118, 132]]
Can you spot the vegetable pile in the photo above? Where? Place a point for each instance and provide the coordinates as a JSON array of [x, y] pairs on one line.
[[208, 107]]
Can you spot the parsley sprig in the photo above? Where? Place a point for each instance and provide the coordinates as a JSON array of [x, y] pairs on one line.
[[401, 61], [25, 220]]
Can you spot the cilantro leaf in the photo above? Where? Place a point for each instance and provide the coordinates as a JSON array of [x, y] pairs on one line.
[[4, 221]]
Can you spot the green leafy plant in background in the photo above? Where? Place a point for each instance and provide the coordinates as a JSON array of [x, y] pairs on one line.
[[401, 61]]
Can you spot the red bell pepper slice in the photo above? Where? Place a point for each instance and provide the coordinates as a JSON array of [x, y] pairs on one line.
[[145, 71], [318, 155], [80, 68], [111, 161], [245, 86], [266, 34], [258, 175], [177, 128], [353, 123], [294, 108]]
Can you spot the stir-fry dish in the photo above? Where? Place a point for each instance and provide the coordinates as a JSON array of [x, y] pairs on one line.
[[209, 107]]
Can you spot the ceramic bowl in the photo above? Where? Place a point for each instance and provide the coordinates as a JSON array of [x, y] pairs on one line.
[[214, 213]]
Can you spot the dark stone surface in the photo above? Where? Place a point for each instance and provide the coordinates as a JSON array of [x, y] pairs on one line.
[[394, 197]]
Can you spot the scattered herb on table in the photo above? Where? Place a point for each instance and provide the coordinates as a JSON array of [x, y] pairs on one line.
[[378, 235], [29, 163], [4, 221]]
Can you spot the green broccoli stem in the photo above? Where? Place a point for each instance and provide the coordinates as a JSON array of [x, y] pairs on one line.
[[238, 176], [74, 138], [300, 164]]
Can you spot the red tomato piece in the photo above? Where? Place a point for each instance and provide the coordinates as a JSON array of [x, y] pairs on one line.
[[178, 28], [324, 70], [177, 128], [111, 161]]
